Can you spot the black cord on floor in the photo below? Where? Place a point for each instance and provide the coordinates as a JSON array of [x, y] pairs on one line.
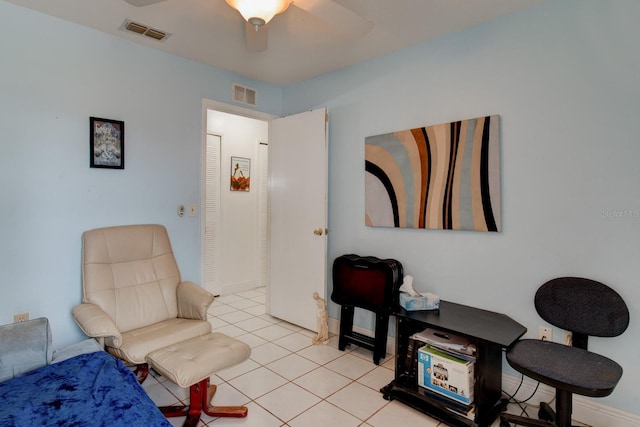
[[520, 403]]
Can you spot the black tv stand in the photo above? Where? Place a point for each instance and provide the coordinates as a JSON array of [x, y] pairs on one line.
[[491, 333]]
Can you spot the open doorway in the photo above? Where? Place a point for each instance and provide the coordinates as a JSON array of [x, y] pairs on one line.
[[234, 217], [292, 259]]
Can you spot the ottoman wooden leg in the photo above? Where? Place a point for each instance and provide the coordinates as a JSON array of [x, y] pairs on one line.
[[219, 411], [200, 395]]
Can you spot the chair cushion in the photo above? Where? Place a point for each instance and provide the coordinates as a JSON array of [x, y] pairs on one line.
[[24, 346], [566, 368], [193, 360], [138, 343]]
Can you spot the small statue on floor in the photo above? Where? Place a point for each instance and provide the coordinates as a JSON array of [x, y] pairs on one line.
[[323, 320]]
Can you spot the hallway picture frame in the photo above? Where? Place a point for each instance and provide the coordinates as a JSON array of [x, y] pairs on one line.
[[240, 179]]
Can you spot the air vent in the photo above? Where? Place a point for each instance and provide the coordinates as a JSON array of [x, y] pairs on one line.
[[144, 30], [244, 95]]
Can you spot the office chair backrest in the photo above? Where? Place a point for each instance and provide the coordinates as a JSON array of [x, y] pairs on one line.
[[582, 306]]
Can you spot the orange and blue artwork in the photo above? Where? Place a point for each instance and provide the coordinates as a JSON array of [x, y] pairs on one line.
[[444, 177]]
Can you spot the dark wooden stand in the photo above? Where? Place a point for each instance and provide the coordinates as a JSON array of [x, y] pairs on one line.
[[377, 344], [491, 333]]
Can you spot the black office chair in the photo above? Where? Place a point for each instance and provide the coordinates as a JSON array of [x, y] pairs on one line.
[[584, 307]]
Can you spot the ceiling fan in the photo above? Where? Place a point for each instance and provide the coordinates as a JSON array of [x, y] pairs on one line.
[[342, 19]]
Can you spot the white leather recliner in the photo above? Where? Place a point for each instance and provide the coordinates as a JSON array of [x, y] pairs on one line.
[[133, 297], [135, 303]]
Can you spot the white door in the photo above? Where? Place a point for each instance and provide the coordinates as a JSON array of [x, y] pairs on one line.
[[298, 207]]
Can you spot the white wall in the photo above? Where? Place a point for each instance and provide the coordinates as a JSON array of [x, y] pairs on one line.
[[239, 232], [54, 75], [564, 79]]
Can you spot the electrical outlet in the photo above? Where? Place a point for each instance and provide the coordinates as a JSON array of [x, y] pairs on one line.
[[20, 317], [545, 334], [568, 338]]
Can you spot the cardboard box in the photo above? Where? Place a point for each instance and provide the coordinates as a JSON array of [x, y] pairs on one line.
[[427, 301], [446, 374]]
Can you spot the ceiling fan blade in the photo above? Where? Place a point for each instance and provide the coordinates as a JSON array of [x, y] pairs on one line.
[[257, 40], [337, 16], [140, 3]]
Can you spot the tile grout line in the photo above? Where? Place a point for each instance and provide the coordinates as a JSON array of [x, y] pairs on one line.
[[289, 381]]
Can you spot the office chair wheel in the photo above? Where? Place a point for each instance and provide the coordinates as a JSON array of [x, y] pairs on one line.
[[546, 412]]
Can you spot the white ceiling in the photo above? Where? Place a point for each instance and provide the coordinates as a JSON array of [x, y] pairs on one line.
[[301, 44]]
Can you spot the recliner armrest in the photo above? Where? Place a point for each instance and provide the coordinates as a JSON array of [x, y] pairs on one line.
[[193, 301], [95, 323]]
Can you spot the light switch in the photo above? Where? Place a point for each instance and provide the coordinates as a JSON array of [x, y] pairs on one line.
[[192, 209]]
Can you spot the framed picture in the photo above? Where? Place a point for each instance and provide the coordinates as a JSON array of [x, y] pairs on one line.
[[106, 143], [240, 174]]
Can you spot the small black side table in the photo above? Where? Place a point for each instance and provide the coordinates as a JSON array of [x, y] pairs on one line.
[[491, 332]]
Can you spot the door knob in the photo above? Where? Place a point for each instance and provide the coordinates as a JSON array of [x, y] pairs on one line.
[[318, 231]]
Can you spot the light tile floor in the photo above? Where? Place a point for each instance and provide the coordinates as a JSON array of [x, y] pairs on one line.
[[288, 381]]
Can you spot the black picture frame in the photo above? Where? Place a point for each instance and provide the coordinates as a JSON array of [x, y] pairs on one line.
[[106, 143]]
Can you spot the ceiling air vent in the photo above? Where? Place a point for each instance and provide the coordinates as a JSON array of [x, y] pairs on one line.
[[244, 95], [144, 30]]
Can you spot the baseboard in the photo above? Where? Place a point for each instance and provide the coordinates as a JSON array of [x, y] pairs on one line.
[[585, 410], [234, 288]]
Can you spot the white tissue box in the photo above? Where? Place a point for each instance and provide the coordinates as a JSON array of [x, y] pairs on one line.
[[426, 301]]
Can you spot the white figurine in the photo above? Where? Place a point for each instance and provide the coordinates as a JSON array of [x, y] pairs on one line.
[[323, 319]]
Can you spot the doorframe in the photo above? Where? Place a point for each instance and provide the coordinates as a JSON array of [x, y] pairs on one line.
[[208, 104]]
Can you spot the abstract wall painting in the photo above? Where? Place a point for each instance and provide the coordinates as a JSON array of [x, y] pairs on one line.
[[444, 177]]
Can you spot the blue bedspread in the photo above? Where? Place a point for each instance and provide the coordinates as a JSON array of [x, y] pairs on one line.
[[92, 389]]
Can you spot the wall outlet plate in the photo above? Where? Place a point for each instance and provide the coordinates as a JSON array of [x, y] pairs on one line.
[[545, 333], [20, 317], [568, 338]]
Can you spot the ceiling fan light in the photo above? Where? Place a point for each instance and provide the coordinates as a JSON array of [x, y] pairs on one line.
[[259, 12]]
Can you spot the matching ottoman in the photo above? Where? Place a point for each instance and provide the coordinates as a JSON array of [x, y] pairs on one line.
[[190, 364]]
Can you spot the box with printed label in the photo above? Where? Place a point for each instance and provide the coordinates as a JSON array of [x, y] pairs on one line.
[[445, 374]]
